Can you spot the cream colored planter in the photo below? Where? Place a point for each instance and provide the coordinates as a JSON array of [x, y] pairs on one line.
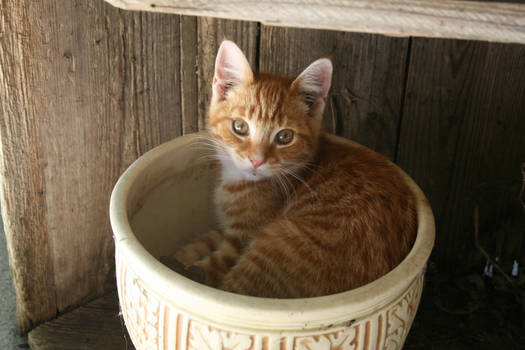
[[163, 199]]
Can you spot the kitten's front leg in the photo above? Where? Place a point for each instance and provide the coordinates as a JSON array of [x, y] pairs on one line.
[[199, 248], [217, 264]]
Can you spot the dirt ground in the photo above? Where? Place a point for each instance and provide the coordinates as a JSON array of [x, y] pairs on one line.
[[468, 312]]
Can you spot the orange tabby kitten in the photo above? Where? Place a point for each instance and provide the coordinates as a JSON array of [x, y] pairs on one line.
[[302, 215]]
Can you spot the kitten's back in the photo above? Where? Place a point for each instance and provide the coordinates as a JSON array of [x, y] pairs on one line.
[[352, 222]]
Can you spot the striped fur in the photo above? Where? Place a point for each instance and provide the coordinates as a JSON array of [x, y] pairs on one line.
[[317, 217]]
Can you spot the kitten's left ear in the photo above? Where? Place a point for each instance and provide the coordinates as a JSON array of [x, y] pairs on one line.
[[313, 83], [231, 68]]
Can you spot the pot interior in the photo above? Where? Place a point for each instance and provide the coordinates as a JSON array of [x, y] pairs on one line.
[[177, 207]]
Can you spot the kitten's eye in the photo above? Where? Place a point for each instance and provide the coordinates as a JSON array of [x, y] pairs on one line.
[[240, 127], [284, 137]]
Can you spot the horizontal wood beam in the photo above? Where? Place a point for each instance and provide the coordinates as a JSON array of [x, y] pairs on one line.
[[473, 20]]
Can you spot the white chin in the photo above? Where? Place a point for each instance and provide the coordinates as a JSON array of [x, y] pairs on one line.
[[256, 176], [251, 175], [231, 172]]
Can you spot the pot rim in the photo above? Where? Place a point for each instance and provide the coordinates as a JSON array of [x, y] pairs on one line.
[[234, 310]]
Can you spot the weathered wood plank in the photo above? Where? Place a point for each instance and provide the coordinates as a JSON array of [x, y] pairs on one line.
[[87, 89], [369, 72], [96, 325], [473, 20], [21, 162], [189, 74], [462, 129], [211, 32], [150, 64]]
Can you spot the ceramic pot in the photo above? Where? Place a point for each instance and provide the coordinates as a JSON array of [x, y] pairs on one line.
[[164, 198]]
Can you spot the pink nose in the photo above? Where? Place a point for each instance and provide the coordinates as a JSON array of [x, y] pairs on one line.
[[256, 162]]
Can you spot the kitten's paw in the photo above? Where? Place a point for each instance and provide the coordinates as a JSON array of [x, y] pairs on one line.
[[199, 248], [187, 255]]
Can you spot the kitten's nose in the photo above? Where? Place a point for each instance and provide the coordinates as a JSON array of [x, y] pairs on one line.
[[256, 162]]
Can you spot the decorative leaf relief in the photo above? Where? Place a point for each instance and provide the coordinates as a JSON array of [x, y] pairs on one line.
[[341, 340], [344, 340], [141, 313], [276, 343], [232, 341], [400, 316], [313, 343], [203, 337], [397, 318]]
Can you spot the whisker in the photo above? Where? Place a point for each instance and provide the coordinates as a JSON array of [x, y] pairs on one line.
[[283, 186], [212, 157], [290, 183], [215, 150], [287, 190], [296, 176], [312, 167], [276, 180]]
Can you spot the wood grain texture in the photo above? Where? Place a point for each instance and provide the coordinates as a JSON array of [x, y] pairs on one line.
[[87, 89], [151, 74], [24, 208], [462, 130], [367, 85], [211, 32], [189, 74], [96, 325], [473, 20]]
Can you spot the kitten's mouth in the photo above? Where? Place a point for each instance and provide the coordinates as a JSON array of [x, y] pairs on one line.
[[256, 174]]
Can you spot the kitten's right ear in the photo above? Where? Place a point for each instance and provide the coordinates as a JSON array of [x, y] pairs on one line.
[[313, 84], [231, 68]]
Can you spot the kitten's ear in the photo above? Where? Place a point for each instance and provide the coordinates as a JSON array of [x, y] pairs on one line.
[[313, 84], [231, 68]]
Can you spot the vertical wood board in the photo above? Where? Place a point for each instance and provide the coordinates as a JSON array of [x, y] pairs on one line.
[[189, 74], [86, 89], [211, 32], [21, 164], [462, 130], [367, 85]]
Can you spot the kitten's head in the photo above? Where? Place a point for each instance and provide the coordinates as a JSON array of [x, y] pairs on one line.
[[266, 125]]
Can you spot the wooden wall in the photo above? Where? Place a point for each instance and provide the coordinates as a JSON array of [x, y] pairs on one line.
[[86, 89]]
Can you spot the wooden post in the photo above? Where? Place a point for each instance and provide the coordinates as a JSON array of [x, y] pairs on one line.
[[85, 89]]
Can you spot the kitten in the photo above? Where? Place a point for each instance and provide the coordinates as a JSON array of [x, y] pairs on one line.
[[301, 214]]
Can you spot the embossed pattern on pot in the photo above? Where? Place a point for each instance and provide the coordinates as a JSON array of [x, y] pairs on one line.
[[155, 324]]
